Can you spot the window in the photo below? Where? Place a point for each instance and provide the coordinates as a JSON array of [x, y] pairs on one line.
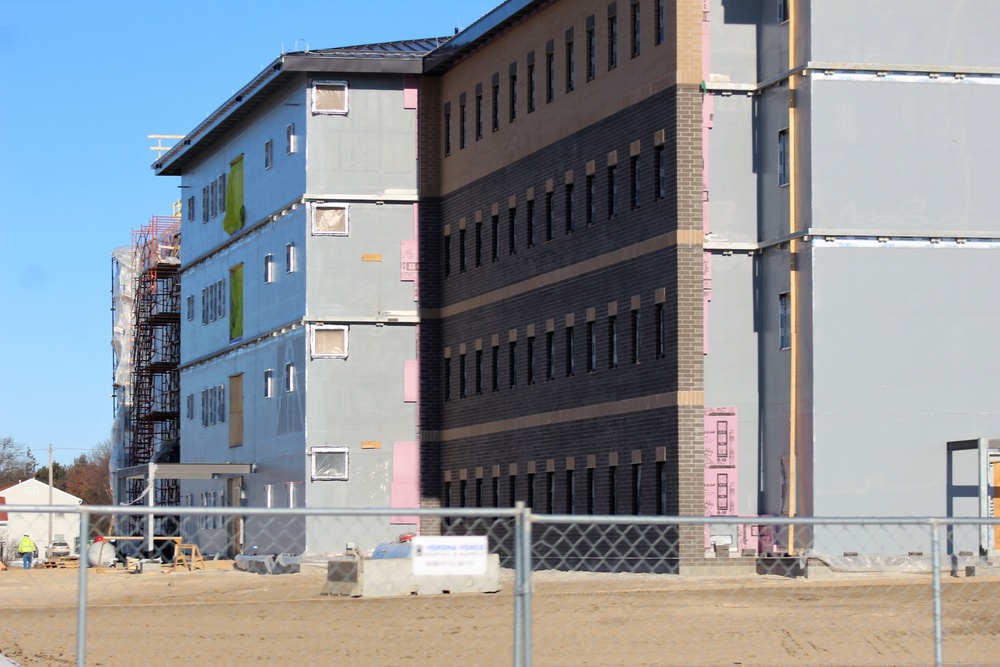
[[213, 198], [591, 200], [784, 322], [661, 172], [591, 54], [204, 407], [290, 263], [479, 244], [612, 490], [570, 362], [268, 268], [447, 255], [190, 208], [550, 77], [212, 402], [479, 492], [496, 368], [189, 401], [463, 388], [447, 131], [635, 336], [330, 220], [291, 141], [289, 377], [612, 341], [329, 463], [570, 68], [329, 341], [782, 11], [531, 490], [612, 193], [612, 42], [636, 181], [550, 492], [496, 107], [213, 291], [591, 347], [636, 488], [496, 492], [479, 372], [479, 116], [221, 303], [447, 378], [783, 158], [661, 487], [204, 204], [222, 404], [461, 251], [635, 30], [268, 154], [661, 21], [550, 217], [512, 94], [569, 208], [269, 383], [512, 365], [222, 193], [204, 305], [661, 332], [530, 354], [329, 98], [190, 307], [591, 492], [462, 126], [531, 86], [496, 237], [529, 222], [550, 348], [512, 489], [512, 231], [570, 493]]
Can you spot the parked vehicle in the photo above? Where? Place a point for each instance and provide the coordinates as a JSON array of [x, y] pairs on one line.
[[59, 549]]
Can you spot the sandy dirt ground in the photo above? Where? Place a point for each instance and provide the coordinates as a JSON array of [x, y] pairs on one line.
[[221, 616]]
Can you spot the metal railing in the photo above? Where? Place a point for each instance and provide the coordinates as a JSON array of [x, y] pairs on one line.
[[574, 589]]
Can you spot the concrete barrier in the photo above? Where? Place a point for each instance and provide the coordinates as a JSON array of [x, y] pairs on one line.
[[354, 577]]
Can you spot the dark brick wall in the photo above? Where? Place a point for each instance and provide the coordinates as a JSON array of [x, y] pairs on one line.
[[668, 437]]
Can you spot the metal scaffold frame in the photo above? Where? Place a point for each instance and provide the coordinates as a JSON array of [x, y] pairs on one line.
[[155, 380]]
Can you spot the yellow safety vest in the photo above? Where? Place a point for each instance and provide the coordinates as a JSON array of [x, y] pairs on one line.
[[26, 545]]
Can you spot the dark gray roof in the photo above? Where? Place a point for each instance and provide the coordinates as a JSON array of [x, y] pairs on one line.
[[400, 57], [473, 37]]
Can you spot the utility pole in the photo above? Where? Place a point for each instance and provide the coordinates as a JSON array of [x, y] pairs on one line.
[[50, 501]]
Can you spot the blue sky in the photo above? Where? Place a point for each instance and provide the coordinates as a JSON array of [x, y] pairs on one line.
[[83, 84]]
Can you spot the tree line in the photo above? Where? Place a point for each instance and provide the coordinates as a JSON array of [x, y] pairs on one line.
[[88, 477]]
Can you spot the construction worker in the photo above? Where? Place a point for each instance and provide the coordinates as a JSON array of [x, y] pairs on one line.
[[27, 550]]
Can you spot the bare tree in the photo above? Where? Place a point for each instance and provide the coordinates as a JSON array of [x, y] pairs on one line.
[[16, 462]]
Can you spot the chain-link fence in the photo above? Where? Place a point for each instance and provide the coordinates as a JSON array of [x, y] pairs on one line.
[[498, 586]]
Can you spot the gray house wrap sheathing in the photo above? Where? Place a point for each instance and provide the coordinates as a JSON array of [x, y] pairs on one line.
[[299, 331]]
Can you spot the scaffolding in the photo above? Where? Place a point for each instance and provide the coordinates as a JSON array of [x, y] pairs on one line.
[[154, 410]]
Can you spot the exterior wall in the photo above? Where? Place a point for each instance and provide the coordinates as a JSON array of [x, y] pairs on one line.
[[366, 161], [648, 414], [65, 527]]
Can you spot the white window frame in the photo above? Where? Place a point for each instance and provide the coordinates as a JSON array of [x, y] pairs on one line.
[[331, 205], [190, 205], [204, 204], [190, 307], [213, 198], [268, 154], [268, 269], [221, 407], [784, 321], [291, 140], [221, 302], [204, 305], [290, 258], [190, 406], [213, 290], [204, 407], [222, 193], [319, 476], [212, 404], [327, 327], [330, 112], [269, 383], [289, 378]]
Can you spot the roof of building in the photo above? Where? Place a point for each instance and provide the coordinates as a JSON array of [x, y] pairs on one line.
[[476, 34], [399, 57]]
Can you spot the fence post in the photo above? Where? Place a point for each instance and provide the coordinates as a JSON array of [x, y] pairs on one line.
[[81, 601], [936, 577], [522, 586]]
